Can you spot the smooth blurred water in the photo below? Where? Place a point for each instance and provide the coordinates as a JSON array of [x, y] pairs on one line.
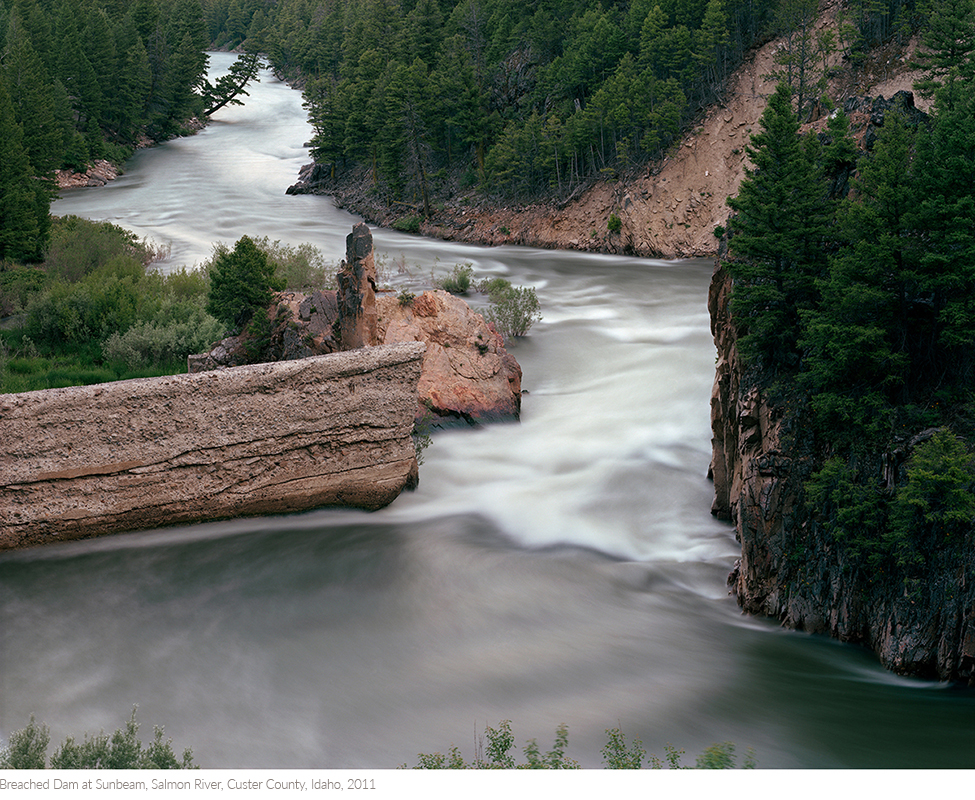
[[561, 570]]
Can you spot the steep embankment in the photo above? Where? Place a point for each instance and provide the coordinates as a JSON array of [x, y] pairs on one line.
[[791, 569], [668, 209]]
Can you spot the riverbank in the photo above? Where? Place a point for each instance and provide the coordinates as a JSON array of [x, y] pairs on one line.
[[671, 208]]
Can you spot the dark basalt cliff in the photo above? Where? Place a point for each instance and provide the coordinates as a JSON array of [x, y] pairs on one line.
[[791, 569]]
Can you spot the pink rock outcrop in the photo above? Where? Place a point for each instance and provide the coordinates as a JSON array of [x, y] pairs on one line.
[[467, 373]]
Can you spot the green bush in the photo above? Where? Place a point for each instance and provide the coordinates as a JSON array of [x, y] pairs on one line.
[[410, 224], [111, 298], [498, 755], [27, 749], [79, 246], [164, 341], [17, 286], [615, 224], [617, 754], [299, 267], [458, 280], [513, 310], [242, 281]]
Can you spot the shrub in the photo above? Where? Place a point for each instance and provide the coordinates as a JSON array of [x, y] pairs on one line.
[[79, 246], [615, 224], [171, 337], [300, 266], [498, 755], [513, 309], [27, 749], [458, 280], [110, 298], [241, 282], [410, 224], [17, 286], [617, 754]]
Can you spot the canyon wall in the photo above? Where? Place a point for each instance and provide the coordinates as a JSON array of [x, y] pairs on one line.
[[792, 570], [333, 430]]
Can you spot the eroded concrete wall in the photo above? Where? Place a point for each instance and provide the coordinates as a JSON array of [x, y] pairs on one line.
[[288, 436]]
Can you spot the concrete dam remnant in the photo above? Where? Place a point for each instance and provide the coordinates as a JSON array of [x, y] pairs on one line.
[[332, 430]]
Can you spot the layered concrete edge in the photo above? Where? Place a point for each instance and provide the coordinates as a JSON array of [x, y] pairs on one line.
[[333, 430]]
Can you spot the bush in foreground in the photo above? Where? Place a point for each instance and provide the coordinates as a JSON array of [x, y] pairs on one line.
[[617, 754], [27, 749]]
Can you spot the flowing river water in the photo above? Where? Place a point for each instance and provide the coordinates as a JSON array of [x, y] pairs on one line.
[[561, 570]]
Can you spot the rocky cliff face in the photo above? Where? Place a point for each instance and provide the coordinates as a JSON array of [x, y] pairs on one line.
[[334, 430], [789, 568]]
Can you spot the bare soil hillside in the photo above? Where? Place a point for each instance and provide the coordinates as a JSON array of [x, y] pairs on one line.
[[671, 209]]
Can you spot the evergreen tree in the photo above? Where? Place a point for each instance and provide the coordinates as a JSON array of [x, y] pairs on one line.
[[946, 274], [778, 236], [34, 103], [21, 237], [242, 283], [858, 342], [949, 44]]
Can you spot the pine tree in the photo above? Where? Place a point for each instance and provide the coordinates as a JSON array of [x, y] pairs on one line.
[[858, 342], [778, 235], [242, 282], [946, 188], [949, 44], [20, 202]]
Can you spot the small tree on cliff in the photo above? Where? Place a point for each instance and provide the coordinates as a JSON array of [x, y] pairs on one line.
[[242, 281]]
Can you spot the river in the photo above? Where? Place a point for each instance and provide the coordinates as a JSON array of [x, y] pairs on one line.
[[561, 570]]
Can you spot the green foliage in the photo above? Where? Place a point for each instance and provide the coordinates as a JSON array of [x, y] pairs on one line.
[[94, 312], [228, 87], [79, 245], [937, 497], [615, 224], [513, 309], [526, 103], [778, 236], [617, 754], [458, 280], [242, 281], [408, 224], [178, 329], [722, 756], [497, 754], [27, 749], [300, 267], [17, 285]]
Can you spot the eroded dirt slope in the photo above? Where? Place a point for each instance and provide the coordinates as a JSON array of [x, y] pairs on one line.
[[671, 208]]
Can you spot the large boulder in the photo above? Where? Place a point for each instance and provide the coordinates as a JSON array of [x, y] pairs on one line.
[[467, 373]]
